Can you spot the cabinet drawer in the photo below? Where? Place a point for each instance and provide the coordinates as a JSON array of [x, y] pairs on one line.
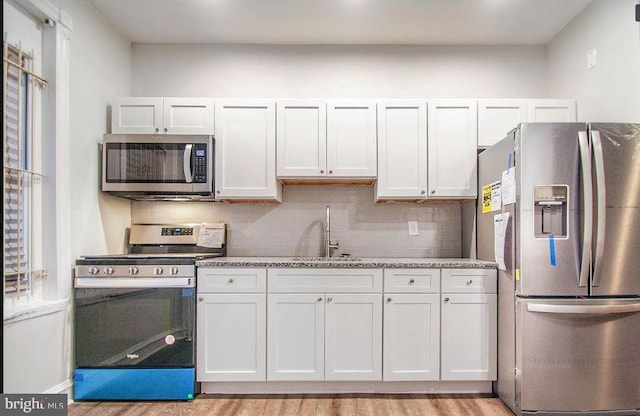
[[231, 280], [469, 281], [412, 280], [325, 280]]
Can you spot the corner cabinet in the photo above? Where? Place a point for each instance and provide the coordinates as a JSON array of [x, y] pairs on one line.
[[551, 110], [453, 146], [324, 324], [156, 115], [497, 117], [469, 324], [245, 159], [231, 325]]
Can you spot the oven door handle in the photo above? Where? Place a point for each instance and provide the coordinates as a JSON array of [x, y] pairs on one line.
[[133, 282]]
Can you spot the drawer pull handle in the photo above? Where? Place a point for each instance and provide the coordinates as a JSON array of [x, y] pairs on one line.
[[412, 281], [469, 282], [231, 280]]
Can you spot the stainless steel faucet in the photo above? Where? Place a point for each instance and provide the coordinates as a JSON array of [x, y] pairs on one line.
[[328, 246]]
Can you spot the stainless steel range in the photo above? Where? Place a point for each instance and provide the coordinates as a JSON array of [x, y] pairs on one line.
[[135, 315]]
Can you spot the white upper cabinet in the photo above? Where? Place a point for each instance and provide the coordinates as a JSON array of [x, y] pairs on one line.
[[245, 159], [153, 115], [402, 149], [498, 117], [453, 143], [551, 110], [302, 138], [320, 139], [351, 138]]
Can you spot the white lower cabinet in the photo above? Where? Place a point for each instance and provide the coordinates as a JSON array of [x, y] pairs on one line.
[[469, 325], [353, 337], [411, 325], [411, 337], [318, 336], [324, 334], [231, 327], [295, 334]]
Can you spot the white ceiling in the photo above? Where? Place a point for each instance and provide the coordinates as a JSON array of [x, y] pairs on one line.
[[409, 22]]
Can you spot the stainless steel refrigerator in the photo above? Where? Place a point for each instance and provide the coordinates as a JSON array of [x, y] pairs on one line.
[[569, 294]]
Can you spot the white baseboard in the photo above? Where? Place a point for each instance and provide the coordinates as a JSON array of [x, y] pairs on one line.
[[63, 388], [337, 387]]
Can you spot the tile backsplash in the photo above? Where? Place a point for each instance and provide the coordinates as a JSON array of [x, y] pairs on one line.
[[296, 226]]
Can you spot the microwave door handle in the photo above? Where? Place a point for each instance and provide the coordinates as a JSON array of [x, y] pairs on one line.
[[587, 231], [186, 163]]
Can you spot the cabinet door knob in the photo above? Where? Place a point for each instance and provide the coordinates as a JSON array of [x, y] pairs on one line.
[[321, 170], [230, 280], [165, 129], [411, 281], [200, 299], [329, 299], [320, 299], [446, 299], [433, 192], [388, 300], [330, 172], [469, 282], [218, 192], [157, 129], [423, 192]]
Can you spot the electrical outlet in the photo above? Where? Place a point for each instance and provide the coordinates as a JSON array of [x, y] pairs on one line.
[[413, 227]]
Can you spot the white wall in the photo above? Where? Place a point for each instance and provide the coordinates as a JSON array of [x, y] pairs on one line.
[[338, 71], [37, 350], [100, 70], [610, 91]]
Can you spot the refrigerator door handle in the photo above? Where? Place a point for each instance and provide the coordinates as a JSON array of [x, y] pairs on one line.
[[601, 204], [583, 309], [587, 193]]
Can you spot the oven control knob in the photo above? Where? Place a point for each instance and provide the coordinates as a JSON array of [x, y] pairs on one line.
[[173, 270], [133, 270], [108, 270], [93, 270], [158, 270]]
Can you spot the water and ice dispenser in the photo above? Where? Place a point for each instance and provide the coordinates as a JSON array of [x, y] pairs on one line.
[[550, 211]]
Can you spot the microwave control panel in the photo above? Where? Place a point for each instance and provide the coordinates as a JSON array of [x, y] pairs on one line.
[[200, 163]]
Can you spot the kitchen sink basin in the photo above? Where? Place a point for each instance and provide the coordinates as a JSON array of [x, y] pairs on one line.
[[327, 259]]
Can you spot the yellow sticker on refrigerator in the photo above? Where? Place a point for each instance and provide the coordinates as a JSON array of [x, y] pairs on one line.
[[491, 197]]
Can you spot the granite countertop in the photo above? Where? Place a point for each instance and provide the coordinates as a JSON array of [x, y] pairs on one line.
[[349, 262]]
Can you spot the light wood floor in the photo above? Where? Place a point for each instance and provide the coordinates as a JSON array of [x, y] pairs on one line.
[[304, 405]]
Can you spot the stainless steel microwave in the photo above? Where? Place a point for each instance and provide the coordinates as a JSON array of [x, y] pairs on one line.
[[158, 166]]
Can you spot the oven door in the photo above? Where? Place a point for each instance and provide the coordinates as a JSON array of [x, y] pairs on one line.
[[134, 323], [146, 164]]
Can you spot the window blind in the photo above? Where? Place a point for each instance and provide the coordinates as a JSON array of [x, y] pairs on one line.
[[20, 85]]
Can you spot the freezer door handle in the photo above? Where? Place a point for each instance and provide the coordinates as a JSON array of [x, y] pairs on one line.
[[601, 212], [585, 158], [583, 309]]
